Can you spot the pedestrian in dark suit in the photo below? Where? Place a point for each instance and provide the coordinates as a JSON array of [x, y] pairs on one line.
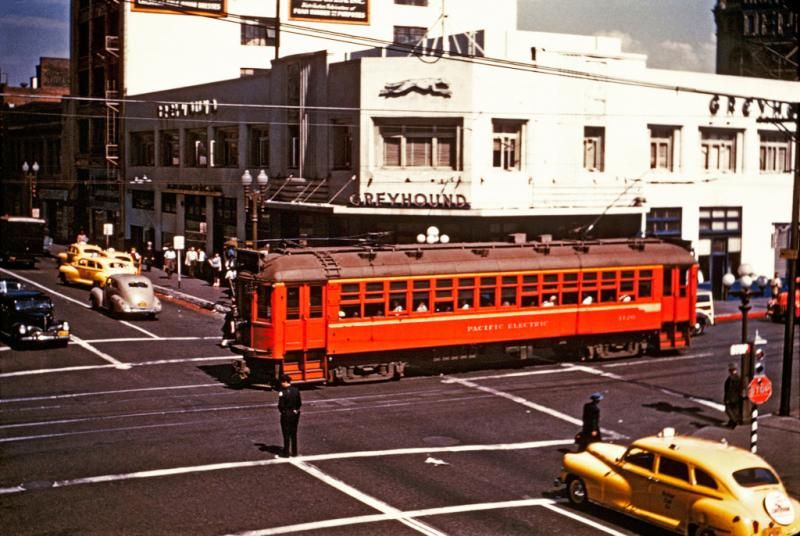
[[591, 421], [289, 403], [733, 396]]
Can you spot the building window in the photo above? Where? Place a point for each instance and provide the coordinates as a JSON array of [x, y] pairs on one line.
[[143, 149], [775, 153], [227, 147], [662, 147], [258, 33], [197, 148], [593, 148], [143, 199], [170, 148], [506, 144], [259, 146], [225, 210], [720, 221], [294, 146], [169, 203], [664, 222], [411, 2], [409, 35], [426, 146], [718, 150], [342, 147]]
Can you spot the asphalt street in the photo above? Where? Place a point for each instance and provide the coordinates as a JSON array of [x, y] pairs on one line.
[[131, 429]]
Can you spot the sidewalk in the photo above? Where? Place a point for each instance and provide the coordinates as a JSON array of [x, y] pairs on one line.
[[193, 290], [728, 310]]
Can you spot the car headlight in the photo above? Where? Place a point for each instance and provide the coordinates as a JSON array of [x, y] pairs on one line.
[[65, 325], [22, 329]]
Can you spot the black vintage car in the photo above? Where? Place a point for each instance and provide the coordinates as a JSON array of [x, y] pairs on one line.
[[27, 317]]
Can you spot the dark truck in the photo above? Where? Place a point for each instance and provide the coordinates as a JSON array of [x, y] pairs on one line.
[[21, 240]]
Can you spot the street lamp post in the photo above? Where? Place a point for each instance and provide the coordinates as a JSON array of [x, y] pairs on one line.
[[254, 195], [749, 410], [30, 179]]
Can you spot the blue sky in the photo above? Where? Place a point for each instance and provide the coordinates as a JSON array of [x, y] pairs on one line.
[[675, 34]]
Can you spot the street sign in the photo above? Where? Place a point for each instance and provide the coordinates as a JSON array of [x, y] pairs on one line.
[[178, 242], [108, 229], [759, 390], [740, 349]]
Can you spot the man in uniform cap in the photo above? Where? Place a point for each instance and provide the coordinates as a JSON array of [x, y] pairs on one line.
[[733, 396], [591, 421], [289, 403]]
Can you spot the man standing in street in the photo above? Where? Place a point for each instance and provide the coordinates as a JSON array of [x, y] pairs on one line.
[[733, 396], [591, 421], [289, 403]]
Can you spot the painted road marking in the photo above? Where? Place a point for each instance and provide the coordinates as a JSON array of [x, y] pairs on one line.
[[103, 393], [157, 473], [373, 502], [528, 404], [48, 289], [550, 504], [125, 366], [117, 364], [134, 326]]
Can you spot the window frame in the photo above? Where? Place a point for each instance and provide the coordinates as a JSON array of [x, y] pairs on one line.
[[594, 145], [662, 137], [414, 140], [714, 144], [507, 133], [770, 146]]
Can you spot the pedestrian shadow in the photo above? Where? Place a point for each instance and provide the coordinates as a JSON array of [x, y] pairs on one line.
[[693, 411], [272, 449]]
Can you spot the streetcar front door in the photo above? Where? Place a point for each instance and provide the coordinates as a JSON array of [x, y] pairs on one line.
[[305, 324]]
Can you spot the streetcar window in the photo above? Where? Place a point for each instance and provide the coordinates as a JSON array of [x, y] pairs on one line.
[[264, 302], [444, 300], [375, 287], [570, 276], [509, 280], [315, 301], [488, 291], [444, 283], [350, 311], [421, 302], [551, 278], [466, 299], [608, 295], [373, 309], [645, 288], [609, 276], [292, 303], [374, 300], [508, 296], [422, 284], [684, 281], [464, 282], [350, 288], [590, 276], [667, 281], [398, 285], [398, 302], [528, 279]]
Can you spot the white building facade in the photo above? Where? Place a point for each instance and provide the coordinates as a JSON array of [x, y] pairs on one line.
[[521, 132]]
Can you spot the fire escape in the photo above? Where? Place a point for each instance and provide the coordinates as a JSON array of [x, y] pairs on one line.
[[112, 108]]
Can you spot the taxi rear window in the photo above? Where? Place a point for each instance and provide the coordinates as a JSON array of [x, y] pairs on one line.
[[755, 476]]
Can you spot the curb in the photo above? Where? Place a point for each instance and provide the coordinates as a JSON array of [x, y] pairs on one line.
[[190, 300], [731, 317]]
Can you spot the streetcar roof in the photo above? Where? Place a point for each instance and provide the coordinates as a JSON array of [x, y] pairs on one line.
[[412, 260]]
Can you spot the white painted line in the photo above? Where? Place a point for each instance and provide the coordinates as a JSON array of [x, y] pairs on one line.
[[158, 339], [118, 364], [373, 502], [657, 360], [134, 326], [528, 404], [103, 393], [514, 374], [550, 504], [586, 521], [125, 366], [48, 289], [592, 370], [315, 457]]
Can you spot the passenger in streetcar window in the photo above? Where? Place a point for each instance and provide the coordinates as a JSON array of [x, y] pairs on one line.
[[549, 302], [625, 298], [465, 305], [422, 308], [587, 300], [396, 307]]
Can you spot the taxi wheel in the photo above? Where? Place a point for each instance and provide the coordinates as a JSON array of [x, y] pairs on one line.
[[576, 490], [705, 531]]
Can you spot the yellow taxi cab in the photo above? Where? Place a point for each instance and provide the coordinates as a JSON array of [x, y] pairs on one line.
[[79, 249], [683, 484], [93, 271]]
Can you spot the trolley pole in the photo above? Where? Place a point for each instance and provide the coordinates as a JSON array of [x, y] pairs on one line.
[[791, 272]]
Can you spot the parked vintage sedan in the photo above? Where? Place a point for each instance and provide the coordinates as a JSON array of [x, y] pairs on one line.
[[79, 249], [92, 271], [686, 485], [9, 284], [27, 316], [126, 294]]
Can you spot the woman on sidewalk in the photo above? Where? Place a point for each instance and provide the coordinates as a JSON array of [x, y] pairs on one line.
[[216, 269]]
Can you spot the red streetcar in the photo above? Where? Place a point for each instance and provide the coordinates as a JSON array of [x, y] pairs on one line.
[[348, 314]]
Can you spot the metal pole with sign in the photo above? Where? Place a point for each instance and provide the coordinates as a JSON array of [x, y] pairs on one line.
[[179, 243], [108, 230]]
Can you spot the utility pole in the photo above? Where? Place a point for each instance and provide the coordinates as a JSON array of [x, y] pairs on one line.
[[791, 269]]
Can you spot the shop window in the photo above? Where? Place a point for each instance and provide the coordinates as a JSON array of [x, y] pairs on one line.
[[720, 221], [593, 148], [143, 149], [664, 221], [506, 144], [342, 147], [775, 152], [718, 150], [143, 199], [662, 147], [197, 147], [169, 203]]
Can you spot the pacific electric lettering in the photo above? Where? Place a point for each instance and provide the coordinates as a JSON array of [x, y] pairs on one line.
[[408, 200]]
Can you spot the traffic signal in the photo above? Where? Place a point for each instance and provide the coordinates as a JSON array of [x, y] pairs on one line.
[[33, 187], [759, 356]]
